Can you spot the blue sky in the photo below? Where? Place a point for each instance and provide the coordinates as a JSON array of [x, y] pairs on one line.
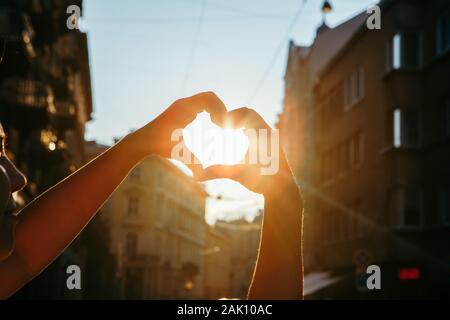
[[145, 54]]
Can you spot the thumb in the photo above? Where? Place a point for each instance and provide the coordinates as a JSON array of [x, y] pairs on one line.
[[5, 189], [188, 158], [196, 168], [194, 165]]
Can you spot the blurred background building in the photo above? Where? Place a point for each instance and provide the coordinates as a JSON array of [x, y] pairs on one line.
[[366, 124], [218, 264], [45, 101], [158, 232], [244, 238]]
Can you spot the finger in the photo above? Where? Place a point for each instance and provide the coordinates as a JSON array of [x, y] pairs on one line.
[[189, 159], [245, 117], [196, 167], [254, 125], [205, 101], [220, 172]]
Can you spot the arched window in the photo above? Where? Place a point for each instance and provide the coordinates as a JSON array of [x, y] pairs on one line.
[[133, 206]]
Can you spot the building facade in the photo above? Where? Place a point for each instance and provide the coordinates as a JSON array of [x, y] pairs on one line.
[[244, 237], [381, 145], [158, 232], [297, 122], [45, 101], [218, 264]]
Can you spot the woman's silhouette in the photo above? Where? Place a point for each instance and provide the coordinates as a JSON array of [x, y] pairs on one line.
[[31, 239]]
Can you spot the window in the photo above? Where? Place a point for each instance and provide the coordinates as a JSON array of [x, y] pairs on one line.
[[356, 149], [347, 94], [361, 228], [326, 227], [396, 51], [443, 34], [349, 225], [160, 206], [447, 117], [360, 151], [397, 128], [354, 226], [131, 244], [344, 226], [444, 197], [360, 84], [134, 283], [356, 217], [5, 20], [353, 88], [326, 110], [342, 157], [159, 178], [405, 128], [412, 216], [334, 227], [334, 158], [133, 206], [361, 221], [326, 166], [344, 162], [405, 50], [409, 207], [411, 55], [331, 104]]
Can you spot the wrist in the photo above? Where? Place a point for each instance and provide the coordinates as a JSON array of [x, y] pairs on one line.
[[283, 186], [285, 199], [136, 146], [280, 184]]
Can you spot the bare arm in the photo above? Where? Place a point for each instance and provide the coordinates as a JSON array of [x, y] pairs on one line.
[[279, 267], [50, 223], [53, 220]]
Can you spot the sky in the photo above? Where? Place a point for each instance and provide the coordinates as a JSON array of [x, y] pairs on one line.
[[145, 54]]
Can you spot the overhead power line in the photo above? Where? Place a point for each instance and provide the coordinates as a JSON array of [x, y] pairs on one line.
[[245, 13], [194, 47], [172, 20], [281, 45]]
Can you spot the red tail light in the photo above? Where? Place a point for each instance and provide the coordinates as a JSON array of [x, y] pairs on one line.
[[409, 274]]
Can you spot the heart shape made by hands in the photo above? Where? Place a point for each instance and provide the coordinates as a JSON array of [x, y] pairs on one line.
[[212, 144]]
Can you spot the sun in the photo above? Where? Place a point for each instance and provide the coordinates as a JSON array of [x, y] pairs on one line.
[[235, 145], [212, 144]]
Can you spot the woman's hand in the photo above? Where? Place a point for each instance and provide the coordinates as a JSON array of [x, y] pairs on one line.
[[249, 175], [156, 137]]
